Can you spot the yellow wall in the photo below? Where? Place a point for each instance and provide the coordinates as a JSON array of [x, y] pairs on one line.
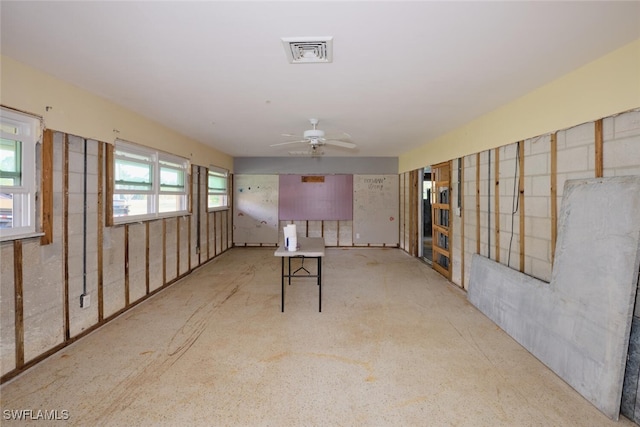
[[78, 112], [607, 86]]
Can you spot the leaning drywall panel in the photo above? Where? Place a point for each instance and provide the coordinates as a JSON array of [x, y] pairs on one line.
[[256, 209], [7, 309], [579, 324]]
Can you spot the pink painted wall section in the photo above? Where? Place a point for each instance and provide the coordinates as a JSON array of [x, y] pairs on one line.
[[328, 200]]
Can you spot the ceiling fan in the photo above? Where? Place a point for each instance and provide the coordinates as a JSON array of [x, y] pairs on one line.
[[316, 138]]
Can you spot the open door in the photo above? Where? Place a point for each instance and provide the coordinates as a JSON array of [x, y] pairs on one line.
[[441, 217]]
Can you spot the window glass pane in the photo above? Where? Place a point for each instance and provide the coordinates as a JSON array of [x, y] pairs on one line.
[[130, 204], [6, 210], [217, 200], [171, 179], [172, 203], [217, 183], [10, 162], [130, 175]]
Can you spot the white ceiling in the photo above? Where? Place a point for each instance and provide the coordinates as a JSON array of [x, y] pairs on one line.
[[402, 74]]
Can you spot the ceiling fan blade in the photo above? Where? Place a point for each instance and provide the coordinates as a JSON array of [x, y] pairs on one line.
[[340, 137], [288, 142], [340, 143], [288, 134]]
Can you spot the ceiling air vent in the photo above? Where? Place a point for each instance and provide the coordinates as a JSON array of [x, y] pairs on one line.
[[308, 50]]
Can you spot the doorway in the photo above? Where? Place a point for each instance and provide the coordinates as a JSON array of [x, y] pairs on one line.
[[427, 224], [441, 203]]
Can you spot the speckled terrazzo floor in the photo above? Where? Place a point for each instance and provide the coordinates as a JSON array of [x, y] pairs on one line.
[[395, 345]]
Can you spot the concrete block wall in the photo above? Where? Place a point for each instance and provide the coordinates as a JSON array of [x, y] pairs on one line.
[[575, 157], [117, 266], [82, 257], [456, 224], [335, 233], [469, 219], [537, 209], [509, 220], [621, 151]]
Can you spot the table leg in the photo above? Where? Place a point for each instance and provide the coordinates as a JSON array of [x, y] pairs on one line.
[[320, 284]]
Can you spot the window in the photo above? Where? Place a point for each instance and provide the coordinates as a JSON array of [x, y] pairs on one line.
[[19, 137], [217, 188], [147, 183]]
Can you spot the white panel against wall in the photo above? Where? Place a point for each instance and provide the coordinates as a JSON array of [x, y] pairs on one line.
[[375, 209], [255, 200]]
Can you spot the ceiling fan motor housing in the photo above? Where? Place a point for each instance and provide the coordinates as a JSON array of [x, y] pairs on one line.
[[313, 134]]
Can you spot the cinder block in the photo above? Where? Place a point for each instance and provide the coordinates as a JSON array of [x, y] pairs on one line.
[[537, 164], [621, 153], [539, 145], [315, 228], [622, 171], [573, 160], [76, 144], [580, 135], [76, 182], [536, 207], [92, 147], [540, 186], [509, 152], [345, 237], [626, 124], [113, 296]]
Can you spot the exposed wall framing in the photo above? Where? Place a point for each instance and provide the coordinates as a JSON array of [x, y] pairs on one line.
[[123, 264], [529, 179]]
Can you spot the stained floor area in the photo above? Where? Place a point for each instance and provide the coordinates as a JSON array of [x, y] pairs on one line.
[[395, 345]]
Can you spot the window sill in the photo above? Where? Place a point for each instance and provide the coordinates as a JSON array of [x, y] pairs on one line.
[[21, 236], [222, 208], [147, 218]]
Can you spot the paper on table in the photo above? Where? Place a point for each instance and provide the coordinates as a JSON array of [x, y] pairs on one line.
[[290, 237]]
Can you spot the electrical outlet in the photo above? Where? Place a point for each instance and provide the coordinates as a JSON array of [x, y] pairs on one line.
[[357, 235], [85, 300]]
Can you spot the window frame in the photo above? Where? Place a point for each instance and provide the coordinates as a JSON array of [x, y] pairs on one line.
[[218, 172], [24, 195], [156, 161]]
